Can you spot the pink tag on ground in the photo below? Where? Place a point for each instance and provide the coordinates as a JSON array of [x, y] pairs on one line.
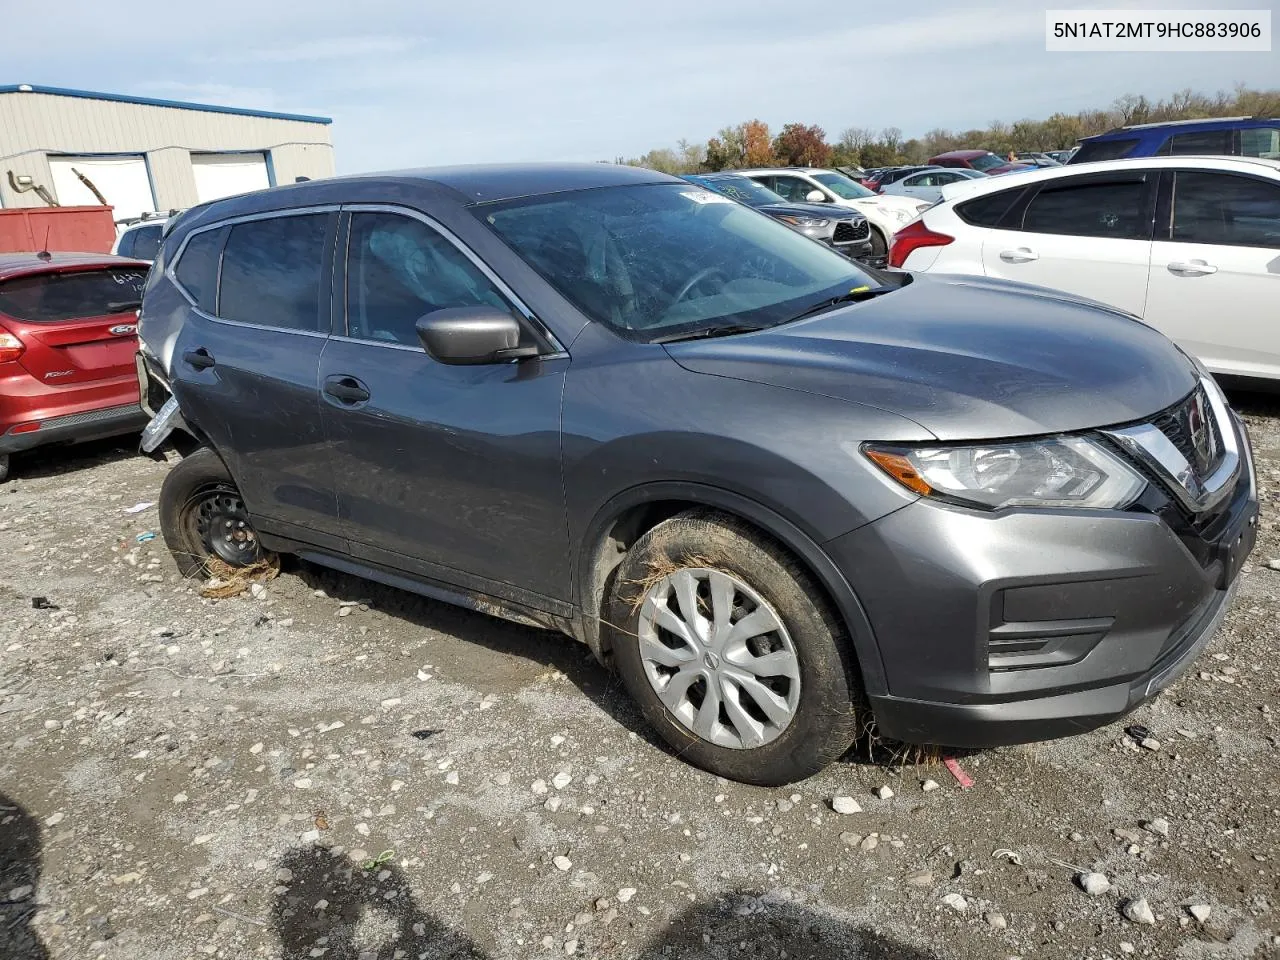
[[962, 778]]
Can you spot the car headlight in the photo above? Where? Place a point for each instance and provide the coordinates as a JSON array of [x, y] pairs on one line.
[[1050, 472], [805, 221]]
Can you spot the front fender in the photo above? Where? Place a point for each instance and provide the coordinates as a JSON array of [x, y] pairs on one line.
[[646, 430], [810, 553]]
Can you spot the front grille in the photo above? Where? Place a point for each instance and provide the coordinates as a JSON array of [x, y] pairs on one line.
[[1191, 427], [851, 231]]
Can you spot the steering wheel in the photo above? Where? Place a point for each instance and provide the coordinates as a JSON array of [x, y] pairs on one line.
[[695, 280]]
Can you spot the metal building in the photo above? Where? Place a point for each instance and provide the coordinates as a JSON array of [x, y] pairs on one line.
[[76, 147]]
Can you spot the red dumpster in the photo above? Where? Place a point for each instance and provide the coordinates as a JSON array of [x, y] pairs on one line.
[[80, 229]]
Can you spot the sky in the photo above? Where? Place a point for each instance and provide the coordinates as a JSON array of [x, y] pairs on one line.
[[428, 82]]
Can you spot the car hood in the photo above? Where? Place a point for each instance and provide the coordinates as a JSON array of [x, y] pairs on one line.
[[823, 210], [889, 202], [967, 358]]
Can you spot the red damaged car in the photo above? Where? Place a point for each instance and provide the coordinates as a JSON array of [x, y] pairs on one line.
[[68, 335]]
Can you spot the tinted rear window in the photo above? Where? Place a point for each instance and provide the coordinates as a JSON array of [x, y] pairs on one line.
[[1104, 150], [271, 272], [51, 297], [1090, 209], [1204, 143], [141, 242], [197, 269], [989, 210]]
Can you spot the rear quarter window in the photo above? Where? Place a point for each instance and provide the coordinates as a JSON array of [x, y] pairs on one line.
[[55, 297], [1199, 143]]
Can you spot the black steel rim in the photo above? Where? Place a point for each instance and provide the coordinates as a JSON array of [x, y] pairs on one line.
[[222, 524]]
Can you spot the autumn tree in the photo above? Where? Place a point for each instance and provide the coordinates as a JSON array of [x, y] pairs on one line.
[[757, 151], [802, 146]]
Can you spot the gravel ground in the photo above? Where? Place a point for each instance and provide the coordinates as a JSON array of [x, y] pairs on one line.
[[335, 769]]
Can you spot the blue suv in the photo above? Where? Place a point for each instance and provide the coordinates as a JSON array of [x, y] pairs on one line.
[[1222, 136]]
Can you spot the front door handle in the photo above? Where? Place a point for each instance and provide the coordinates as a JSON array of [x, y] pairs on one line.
[[346, 390], [200, 358], [1194, 268], [1021, 255]]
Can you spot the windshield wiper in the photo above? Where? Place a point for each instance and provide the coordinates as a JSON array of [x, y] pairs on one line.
[[120, 306], [856, 295], [704, 333]]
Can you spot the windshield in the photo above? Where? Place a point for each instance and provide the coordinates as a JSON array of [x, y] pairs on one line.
[[842, 186], [987, 161], [743, 189], [657, 260]]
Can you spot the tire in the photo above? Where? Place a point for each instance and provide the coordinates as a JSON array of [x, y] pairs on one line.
[[4, 467], [199, 495], [879, 247], [709, 547]]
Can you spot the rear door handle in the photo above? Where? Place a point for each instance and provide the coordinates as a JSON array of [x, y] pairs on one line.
[[1195, 268], [200, 358], [1021, 255], [346, 390]]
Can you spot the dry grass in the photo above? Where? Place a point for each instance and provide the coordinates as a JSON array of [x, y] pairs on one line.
[[659, 569], [228, 581]]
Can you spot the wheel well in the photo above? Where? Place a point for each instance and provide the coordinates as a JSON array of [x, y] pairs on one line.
[[625, 530]]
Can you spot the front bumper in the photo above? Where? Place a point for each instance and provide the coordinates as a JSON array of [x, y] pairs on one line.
[[1000, 628]]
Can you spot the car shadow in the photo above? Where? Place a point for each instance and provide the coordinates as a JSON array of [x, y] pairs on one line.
[[549, 648], [59, 459], [352, 912], [19, 878], [1259, 398], [556, 651]]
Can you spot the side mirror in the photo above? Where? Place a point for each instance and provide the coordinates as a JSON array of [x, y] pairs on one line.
[[472, 335], [816, 196]]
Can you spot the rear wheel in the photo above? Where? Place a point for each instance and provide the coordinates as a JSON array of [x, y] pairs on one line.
[[4, 467], [203, 517], [731, 651]]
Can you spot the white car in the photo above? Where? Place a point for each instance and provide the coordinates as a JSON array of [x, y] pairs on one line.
[[886, 215], [927, 184], [1191, 245], [140, 239]]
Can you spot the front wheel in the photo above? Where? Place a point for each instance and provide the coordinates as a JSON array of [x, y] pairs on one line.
[[879, 254], [204, 519], [732, 652]]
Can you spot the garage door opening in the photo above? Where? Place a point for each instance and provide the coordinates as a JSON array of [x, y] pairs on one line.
[[123, 182], [221, 175]]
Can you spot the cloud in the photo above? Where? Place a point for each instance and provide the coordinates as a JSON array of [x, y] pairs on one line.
[[328, 49]]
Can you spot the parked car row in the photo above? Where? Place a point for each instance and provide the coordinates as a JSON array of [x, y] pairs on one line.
[[845, 230], [1189, 244], [885, 215]]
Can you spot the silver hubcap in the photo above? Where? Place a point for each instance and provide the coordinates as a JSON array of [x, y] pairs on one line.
[[719, 658]]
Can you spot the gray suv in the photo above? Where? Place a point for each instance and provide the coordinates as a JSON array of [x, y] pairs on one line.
[[783, 495]]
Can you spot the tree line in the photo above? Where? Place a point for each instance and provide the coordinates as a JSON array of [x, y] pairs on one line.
[[752, 144]]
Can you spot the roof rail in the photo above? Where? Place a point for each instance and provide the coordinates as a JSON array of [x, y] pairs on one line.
[[1178, 123]]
